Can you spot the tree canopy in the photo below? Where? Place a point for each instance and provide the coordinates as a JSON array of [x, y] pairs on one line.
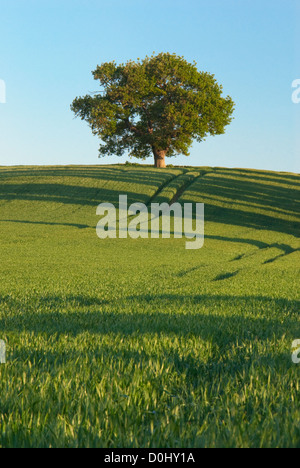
[[158, 105]]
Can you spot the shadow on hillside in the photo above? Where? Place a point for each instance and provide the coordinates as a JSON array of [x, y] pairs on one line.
[[287, 249], [218, 365], [85, 314], [151, 176], [81, 195], [265, 176], [105, 319], [67, 194], [257, 194], [233, 217], [224, 197], [45, 223]]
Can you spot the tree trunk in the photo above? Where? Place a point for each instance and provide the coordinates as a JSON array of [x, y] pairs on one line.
[[159, 157]]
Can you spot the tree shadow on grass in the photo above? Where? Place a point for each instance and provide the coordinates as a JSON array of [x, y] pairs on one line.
[[235, 217], [213, 368], [224, 198], [285, 248], [138, 315], [46, 223], [225, 338], [264, 176], [67, 194], [102, 174]]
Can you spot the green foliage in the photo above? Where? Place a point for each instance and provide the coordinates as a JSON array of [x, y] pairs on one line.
[[139, 342], [161, 103]]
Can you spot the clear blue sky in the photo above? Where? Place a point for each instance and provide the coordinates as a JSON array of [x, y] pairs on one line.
[[48, 49]]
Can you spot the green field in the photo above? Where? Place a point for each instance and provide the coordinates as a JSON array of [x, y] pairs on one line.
[[140, 342]]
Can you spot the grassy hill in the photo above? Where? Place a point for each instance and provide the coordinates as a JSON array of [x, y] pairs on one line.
[[140, 342]]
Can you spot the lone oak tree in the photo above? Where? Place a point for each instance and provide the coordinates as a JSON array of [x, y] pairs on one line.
[[157, 105]]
